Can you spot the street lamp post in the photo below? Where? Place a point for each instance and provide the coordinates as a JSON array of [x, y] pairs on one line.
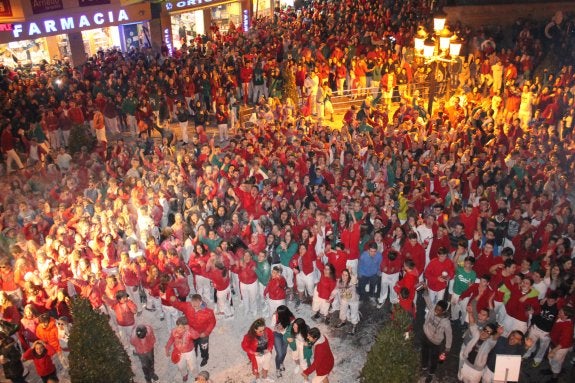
[[434, 48]]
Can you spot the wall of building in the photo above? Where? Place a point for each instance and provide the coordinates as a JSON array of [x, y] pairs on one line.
[[478, 15]]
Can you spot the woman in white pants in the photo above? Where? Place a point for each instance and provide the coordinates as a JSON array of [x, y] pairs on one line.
[[296, 337], [304, 282], [248, 281], [346, 289], [324, 293]]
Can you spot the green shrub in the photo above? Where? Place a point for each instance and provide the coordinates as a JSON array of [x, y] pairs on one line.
[[96, 353], [79, 137], [392, 358]]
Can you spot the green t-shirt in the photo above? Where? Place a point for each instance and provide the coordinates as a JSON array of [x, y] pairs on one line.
[[462, 280]]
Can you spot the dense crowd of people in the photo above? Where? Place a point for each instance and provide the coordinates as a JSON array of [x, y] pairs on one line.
[[470, 206]]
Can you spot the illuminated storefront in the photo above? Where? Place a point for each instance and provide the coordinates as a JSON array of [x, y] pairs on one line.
[[183, 20], [75, 33]]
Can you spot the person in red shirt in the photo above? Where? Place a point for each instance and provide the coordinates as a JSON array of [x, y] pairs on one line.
[[276, 289], [337, 257], [125, 311], [561, 340], [323, 360], [7, 147], [438, 273], [522, 303], [245, 270], [405, 287], [390, 267], [246, 76], [143, 341], [324, 293], [414, 250], [41, 354], [258, 343], [202, 320], [220, 277], [181, 342]]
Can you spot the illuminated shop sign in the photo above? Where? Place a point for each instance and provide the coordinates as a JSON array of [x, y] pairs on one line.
[[246, 20], [35, 29], [168, 41], [171, 6]]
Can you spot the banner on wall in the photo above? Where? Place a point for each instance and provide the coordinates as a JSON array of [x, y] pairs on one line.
[[43, 6], [88, 3], [5, 8]]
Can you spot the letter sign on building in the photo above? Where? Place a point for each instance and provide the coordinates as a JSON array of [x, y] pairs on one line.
[[35, 29]]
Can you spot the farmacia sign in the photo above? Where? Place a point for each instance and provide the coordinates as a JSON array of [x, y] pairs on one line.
[[35, 29]]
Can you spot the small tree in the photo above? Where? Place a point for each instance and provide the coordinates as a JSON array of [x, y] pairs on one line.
[[96, 353], [79, 137], [392, 358], [289, 86]]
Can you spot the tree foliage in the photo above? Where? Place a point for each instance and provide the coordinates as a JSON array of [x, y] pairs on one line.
[[80, 137], [96, 353], [289, 86], [393, 358]]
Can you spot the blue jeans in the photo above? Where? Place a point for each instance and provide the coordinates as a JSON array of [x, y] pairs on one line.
[[280, 345]]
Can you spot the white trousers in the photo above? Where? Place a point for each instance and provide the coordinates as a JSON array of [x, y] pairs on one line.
[[469, 375], [204, 288], [274, 304], [536, 334], [187, 363], [387, 283], [319, 304], [349, 310], [249, 297], [305, 283], [224, 297], [351, 265], [12, 156], [287, 273]]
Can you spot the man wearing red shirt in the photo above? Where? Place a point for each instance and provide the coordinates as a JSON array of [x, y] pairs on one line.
[[276, 289], [438, 273], [245, 269], [561, 340], [408, 284], [337, 257], [323, 360], [7, 147], [182, 339], [246, 76], [143, 340], [414, 250], [521, 304], [390, 267], [203, 321]]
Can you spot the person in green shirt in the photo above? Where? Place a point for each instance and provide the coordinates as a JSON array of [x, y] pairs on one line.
[[286, 250], [464, 277], [212, 241], [263, 271], [129, 106], [296, 338]]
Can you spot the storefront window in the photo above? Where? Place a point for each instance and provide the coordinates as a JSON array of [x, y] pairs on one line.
[[224, 14], [22, 53], [263, 7], [101, 38], [186, 26], [135, 36]]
